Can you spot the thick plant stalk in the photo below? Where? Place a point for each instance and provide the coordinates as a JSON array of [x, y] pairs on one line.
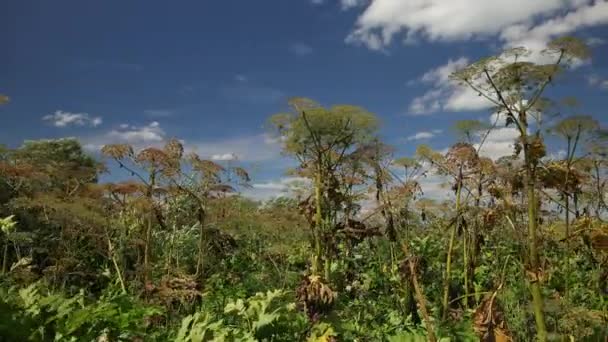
[[116, 267], [465, 270], [598, 186], [422, 302], [448, 271], [318, 223], [535, 289], [567, 238], [5, 258], [420, 297], [473, 249], [201, 243], [148, 234], [571, 151], [148, 230], [567, 195], [169, 258], [448, 263], [327, 269]]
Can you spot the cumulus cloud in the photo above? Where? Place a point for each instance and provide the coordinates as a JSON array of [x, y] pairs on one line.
[[499, 143], [223, 157], [439, 20], [348, 4], [424, 135], [536, 37], [254, 148], [560, 154], [159, 113], [240, 78], [596, 81], [148, 133], [137, 136], [64, 119], [248, 148], [596, 41], [445, 95], [345, 4], [300, 49], [531, 24]]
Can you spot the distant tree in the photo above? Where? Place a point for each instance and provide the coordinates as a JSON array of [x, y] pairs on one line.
[[51, 189]]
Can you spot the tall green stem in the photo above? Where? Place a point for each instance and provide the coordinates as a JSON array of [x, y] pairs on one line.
[[448, 263], [318, 226], [465, 270], [419, 293], [148, 234], [116, 267], [201, 242], [535, 288], [5, 258]]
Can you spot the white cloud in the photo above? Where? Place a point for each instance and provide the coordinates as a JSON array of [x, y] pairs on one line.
[[136, 136], [427, 103], [281, 187], [531, 24], [96, 121], [595, 41], [536, 37], [345, 4], [597, 81], [441, 20], [65, 119], [499, 143], [424, 135], [445, 95], [240, 78], [159, 113], [300, 49], [223, 157], [560, 154], [143, 134], [441, 74], [255, 148], [348, 4]]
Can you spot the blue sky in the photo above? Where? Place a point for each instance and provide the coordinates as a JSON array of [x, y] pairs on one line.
[[211, 72]]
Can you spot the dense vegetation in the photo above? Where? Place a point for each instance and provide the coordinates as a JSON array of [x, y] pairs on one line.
[[516, 250]]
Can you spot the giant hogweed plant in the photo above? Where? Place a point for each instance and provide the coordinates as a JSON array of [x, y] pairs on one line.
[[515, 86]]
